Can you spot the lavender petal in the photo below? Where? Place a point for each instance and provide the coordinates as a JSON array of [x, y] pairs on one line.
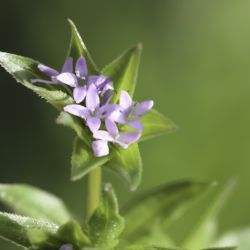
[[93, 123], [92, 80], [47, 70], [106, 110], [143, 107], [68, 65], [136, 125], [77, 110], [128, 138], [66, 247], [100, 148], [79, 93], [119, 117], [68, 79], [125, 100], [103, 83], [81, 67], [111, 127], [122, 144], [44, 81], [103, 135], [107, 96], [92, 98], [108, 87], [100, 81]]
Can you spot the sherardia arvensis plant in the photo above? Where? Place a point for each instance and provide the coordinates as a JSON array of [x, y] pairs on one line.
[[108, 124]]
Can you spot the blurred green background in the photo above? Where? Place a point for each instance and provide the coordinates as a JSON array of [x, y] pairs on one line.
[[195, 66]]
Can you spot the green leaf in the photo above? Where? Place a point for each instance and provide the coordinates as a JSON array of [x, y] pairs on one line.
[[138, 247], [203, 233], [239, 238], [156, 236], [128, 164], [33, 202], [18, 229], [223, 248], [155, 124], [77, 48], [75, 123], [72, 233], [106, 225], [163, 204], [123, 71], [83, 160], [24, 69]]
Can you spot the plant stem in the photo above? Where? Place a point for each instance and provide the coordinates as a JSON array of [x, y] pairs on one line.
[[93, 191]]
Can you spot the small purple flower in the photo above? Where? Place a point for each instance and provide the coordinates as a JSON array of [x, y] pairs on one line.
[[129, 112], [66, 76], [79, 81], [103, 84], [66, 247], [53, 74], [93, 112], [113, 135]]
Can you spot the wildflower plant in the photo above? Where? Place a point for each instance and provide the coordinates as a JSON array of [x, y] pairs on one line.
[[108, 123]]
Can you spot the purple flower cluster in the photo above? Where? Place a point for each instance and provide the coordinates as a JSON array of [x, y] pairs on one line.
[[92, 95]]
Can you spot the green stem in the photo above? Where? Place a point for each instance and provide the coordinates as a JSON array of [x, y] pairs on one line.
[[93, 191]]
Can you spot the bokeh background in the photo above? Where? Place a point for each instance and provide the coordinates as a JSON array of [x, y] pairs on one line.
[[195, 65]]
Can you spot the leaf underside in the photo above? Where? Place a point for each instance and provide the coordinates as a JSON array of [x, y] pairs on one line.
[[33, 202]]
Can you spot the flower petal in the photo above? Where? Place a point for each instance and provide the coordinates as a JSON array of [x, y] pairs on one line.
[[79, 93], [143, 107], [103, 135], [136, 125], [103, 82], [44, 81], [100, 148], [92, 98], [107, 96], [118, 116], [77, 110], [107, 87], [128, 138], [125, 100], [68, 79], [93, 123], [92, 80], [122, 144], [111, 127], [68, 65], [106, 110], [47, 70], [81, 67], [66, 247]]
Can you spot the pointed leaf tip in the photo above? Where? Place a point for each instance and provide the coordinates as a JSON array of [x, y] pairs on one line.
[[123, 71], [164, 204], [77, 48], [155, 124], [205, 228]]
